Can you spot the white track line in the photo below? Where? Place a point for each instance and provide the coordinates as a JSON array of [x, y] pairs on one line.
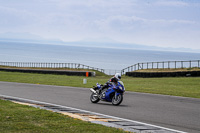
[[123, 119]]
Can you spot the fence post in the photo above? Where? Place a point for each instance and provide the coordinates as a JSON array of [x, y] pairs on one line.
[[157, 65], [175, 64], [168, 65], [147, 65], [190, 64], [181, 64], [163, 65]]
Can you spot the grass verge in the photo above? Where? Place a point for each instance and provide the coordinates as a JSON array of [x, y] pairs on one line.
[[16, 118], [98, 73], [178, 86]]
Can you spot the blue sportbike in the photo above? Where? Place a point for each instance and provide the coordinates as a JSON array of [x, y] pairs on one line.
[[114, 93]]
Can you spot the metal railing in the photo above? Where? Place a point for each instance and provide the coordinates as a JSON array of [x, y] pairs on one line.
[[162, 65], [49, 65], [111, 71], [138, 66]]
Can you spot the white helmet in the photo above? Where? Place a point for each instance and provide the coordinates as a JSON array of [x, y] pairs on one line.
[[118, 76]]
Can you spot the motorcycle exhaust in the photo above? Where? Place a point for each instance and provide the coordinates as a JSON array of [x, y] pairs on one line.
[[92, 90]]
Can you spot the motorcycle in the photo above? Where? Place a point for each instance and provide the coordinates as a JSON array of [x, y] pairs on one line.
[[114, 93]]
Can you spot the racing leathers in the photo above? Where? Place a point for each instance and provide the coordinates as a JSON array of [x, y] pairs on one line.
[[113, 80]]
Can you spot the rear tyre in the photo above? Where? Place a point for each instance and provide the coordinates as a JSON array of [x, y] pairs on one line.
[[94, 98], [116, 100]]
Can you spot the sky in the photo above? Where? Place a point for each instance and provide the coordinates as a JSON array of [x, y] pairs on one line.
[[163, 23]]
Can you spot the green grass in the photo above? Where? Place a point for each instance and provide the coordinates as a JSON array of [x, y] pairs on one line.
[[178, 86], [50, 79], [98, 73], [16, 118]]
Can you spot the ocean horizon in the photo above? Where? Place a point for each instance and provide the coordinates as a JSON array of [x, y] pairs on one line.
[[104, 58]]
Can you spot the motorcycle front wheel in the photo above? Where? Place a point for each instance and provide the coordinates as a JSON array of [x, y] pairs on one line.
[[116, 100], [94, 98]]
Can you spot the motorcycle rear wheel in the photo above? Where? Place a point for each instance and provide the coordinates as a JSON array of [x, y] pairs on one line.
[[117, 100], [94, 98]]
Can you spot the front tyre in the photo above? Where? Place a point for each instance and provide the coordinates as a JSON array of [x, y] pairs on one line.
[[116, 100], [94, 98]]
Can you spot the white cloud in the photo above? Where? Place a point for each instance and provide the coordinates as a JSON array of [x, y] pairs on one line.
[[135, 21], [128, 23], [172, 3], [16, 17]]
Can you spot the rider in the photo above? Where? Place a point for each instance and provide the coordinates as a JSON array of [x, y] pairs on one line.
[[114, 80]]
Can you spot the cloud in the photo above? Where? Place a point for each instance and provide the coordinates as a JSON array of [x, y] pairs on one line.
[[121, 20], [129, 23], [11, 17], [171, 3]]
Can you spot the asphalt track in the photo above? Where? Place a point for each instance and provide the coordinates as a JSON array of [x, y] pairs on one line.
[[167, 111]]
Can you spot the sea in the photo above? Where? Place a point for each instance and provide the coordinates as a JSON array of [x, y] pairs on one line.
[[111, 59]]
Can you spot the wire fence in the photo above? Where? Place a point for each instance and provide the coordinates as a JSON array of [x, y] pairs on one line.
[[49, 65], [111, 71], [138, 66], [162, 65]]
